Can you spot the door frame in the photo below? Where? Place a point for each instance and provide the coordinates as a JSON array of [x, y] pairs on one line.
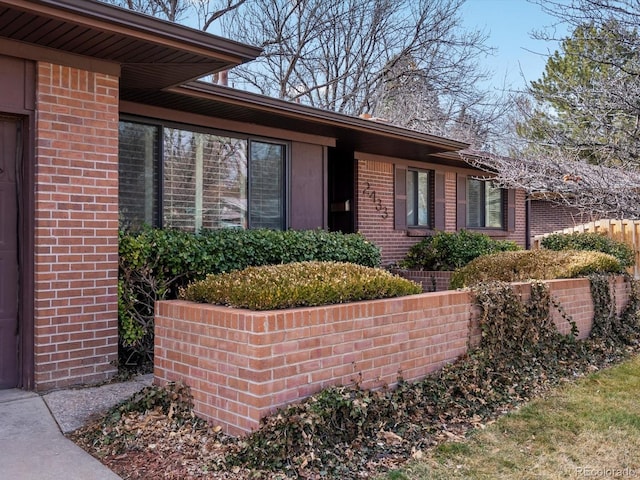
[[18, 101], [341, 186], [26, 255], [25, 242]]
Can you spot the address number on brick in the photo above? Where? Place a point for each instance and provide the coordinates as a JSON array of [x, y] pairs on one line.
[[371, 193]]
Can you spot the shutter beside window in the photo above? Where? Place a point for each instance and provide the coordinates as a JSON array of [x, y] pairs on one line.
[[439, 201], [400, 197], [461, 207], [511, 210]]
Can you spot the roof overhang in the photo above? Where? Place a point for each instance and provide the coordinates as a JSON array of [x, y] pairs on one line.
[[351, 133], [152, 53], [158, 61]]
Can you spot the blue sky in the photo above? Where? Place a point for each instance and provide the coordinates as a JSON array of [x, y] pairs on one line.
[[509, 24]]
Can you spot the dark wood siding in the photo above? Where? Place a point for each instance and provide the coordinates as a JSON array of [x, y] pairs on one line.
[[17, 106], [17, 84], [400, 195], [308, 198], [439, 201], [511, 210], [461, 205]]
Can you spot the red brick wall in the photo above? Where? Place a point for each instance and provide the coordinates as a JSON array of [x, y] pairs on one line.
[[377, 225], [375, 215], [547, 217], [76, 227], [519, 235], [574, 297], [241, 365]]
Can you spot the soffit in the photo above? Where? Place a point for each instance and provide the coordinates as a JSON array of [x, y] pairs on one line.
[[152, 53]]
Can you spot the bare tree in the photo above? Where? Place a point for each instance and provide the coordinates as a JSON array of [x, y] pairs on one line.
[[205, 12], [409, 62], [587, 99], [407, 97], [607, 192], [561, 175], [579, 125], [351, 55]]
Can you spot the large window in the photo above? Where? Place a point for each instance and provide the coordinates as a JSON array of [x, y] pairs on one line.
[[138, 149], [419, 198], [204, 180], [266, 174], [485, 204], [207, 179]]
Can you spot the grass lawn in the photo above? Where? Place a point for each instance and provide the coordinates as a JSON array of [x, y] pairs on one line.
[[590, 429]]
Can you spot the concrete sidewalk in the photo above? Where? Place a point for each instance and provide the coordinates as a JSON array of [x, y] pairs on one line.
[[32, 446]]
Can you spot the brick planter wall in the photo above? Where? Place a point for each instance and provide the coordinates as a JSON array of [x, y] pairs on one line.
[[241, 365]]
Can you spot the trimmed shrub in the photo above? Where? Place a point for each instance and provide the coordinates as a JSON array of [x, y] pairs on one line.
[[451, 250], [299, 284], [534, 265], [591, 241], [155, 263]]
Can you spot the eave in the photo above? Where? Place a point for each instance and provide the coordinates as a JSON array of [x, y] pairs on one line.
[[151, 53], [351, 133]]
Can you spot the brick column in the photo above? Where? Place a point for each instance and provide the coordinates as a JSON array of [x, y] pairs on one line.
[[76, 227]]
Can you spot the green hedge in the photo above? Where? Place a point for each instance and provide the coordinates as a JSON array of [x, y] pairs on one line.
[[298, 284], [534, 265], [591, 241], [155, 263], [452, 250]]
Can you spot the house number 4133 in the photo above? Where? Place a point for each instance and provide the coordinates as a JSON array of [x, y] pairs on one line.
[[384, 213]]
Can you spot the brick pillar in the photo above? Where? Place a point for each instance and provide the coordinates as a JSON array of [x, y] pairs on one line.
[[76, 227]]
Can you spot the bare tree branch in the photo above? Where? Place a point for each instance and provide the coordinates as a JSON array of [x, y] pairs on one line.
[[610, 192]]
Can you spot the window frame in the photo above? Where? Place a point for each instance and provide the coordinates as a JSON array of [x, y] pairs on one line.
[[284, 178], [157, 193], [431, 198], [483, 205], [438, 199], [160, 162]]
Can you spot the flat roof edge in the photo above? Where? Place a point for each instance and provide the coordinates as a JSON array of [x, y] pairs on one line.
[[325, 116]]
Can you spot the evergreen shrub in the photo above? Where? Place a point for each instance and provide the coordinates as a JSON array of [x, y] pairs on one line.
[[155, 263], [527, 265], [300, 284], [452, 250], [591, 241]]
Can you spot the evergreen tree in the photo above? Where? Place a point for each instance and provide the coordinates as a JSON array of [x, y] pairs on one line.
[[587, 102]]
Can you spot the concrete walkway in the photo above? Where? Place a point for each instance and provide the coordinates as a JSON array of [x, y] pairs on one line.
[[32, 446]]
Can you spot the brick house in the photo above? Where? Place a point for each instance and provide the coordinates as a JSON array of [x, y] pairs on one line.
[[103, 121]]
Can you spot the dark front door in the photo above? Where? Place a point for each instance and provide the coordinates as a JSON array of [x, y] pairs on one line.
[[8, 253], [341, 191]]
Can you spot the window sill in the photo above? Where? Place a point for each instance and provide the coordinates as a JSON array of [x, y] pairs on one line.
[[419, 232]]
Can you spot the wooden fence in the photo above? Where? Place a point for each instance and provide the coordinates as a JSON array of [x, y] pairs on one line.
[[627, 231]]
